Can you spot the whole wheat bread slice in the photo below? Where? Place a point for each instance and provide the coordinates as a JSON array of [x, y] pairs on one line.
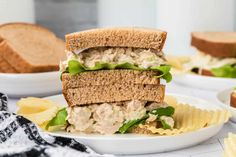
[[30, 48], [109, 77], [114, 93], [217, 44], [5, 67], [116, 37]]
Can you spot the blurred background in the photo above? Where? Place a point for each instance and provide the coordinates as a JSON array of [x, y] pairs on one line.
[[178, 17]]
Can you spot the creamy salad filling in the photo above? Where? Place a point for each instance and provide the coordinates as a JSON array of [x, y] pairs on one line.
[[204, 61], [143, 58], [107, 118]]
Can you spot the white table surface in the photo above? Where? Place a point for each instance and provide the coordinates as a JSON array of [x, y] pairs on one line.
[[210, 148]]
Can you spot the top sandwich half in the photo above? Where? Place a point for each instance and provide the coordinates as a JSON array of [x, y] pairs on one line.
[[116, 48]]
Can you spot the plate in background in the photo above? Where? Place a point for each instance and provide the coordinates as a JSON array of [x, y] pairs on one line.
[[30, 84], [204, 82], [224, 98], [143, 144]]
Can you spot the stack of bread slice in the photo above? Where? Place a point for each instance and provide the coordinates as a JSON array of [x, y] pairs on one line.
[[28, 48], [112, 86]]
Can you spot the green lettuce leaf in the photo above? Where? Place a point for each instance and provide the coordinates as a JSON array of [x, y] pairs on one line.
[[75, 67], [228, 71], [59, 120], [167, 111], [130, 124]]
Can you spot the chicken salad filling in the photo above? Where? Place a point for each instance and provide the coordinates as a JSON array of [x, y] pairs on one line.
[[110, 118], [143, 58], [107, 58]]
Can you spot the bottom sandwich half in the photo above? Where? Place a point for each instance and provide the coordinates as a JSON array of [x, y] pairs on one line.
[[116, 106]]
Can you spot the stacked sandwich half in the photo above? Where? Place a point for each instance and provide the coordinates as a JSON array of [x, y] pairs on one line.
[[111, 81]]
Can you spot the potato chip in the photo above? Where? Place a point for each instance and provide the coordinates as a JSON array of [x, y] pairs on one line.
[[41, 117], [33, 105], [37, 110], [230, 145], [177, 61], [188, 118], [170, 100]]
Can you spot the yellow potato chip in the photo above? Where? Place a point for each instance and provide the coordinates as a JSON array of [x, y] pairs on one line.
[[230, 145], [41, 117], [33, 105], [188, 118], [39, 111], [177, 61]]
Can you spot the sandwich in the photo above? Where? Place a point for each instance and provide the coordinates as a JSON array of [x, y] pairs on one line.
[[29, 48], [114, 80], [216, 54]]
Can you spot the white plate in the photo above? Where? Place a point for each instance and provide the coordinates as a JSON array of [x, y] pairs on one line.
[[224, 98], [142, 144], [204, 82], [31, 84]]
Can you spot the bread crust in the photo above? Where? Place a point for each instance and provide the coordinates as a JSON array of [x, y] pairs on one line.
[[21, 65], [217, 44], [25, 24], [113, 93], [109, 77], [5, 67], [116, 37], [206, 72], [233, 99]]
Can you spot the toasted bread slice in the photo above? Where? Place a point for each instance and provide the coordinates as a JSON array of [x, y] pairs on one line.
[[31, 48], [116, 37], [114, 93], [217, 44], [109, 77]]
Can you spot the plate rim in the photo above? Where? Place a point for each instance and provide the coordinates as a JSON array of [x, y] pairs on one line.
[[142, 137]]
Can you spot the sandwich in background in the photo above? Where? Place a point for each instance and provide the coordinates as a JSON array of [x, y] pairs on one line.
[[111, 81], [29, 48], [216, 54]]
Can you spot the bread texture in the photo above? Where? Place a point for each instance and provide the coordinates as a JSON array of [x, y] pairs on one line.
[[114, 93], [5, 67], [217, 44], [116, 37], [30, 48], [109, 77]]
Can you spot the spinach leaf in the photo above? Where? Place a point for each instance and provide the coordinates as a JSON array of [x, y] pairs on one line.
[[130, 124], [58, 120], [167, 111]]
